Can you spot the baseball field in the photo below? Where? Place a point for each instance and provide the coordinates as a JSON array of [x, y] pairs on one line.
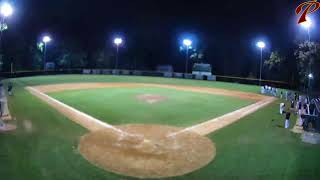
[[122, 127]]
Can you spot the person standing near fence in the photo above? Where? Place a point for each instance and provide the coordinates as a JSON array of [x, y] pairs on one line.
[[282, 108], [287, 120], [10, 89], [296, 97], [312, 109]]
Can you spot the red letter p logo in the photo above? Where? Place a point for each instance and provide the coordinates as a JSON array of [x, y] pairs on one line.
[[311, 7]]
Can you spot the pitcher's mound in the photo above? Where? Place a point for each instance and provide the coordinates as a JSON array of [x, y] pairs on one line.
[[149, 153], [151, 98]]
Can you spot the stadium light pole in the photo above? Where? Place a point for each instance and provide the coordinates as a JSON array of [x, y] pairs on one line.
[[261, 45], [45, 40], [307, 25], [310, 77], [6, 10], [187, 43], [117, 41]]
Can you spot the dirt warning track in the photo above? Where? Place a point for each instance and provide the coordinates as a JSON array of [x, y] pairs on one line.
[[79, 86]]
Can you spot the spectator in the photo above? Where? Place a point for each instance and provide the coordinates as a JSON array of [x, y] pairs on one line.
[[10, 88], [287, 121], [282, 108]]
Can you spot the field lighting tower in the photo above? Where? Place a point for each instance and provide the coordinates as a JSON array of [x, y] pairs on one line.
[[261, 45], [187, 43], [6, 10], [46, 39], [117, 41]]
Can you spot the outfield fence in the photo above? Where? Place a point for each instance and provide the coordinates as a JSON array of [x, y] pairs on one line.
[[123, 72]]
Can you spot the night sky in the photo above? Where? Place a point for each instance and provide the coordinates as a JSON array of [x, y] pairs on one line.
[[227, 30]]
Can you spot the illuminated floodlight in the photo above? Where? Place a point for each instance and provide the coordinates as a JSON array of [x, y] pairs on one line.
[[187, 42], [46, 39], [6, 9], [261, 44], [118, 41], [310, 76], [307, 24]]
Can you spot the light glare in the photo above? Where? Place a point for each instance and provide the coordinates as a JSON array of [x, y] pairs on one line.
[[261, 44], [6, 9], [310, 76], [187, 42], [118, 41], [46, 39], [307, 24]]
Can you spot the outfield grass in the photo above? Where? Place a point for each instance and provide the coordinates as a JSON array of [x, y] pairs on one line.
[[253, 148], [120, 105]]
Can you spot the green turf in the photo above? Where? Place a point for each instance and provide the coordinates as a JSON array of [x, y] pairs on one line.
[[121, 106], [253, 148]]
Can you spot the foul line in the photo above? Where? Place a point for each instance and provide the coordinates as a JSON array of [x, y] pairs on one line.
[[227, 119], [75, 115]]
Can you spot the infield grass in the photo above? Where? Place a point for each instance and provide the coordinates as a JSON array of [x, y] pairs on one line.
[[121, 106]]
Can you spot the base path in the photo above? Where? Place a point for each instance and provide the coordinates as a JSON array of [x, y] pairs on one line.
[[227, 119], [205, 128], [73, 114]]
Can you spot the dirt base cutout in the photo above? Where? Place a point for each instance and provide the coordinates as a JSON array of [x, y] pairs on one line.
[[151, 98], [150, 153]]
